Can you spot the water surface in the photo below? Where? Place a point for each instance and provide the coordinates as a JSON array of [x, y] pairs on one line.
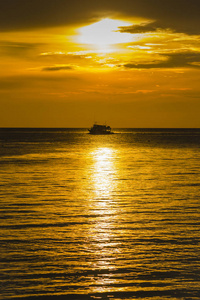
[[100, 217]]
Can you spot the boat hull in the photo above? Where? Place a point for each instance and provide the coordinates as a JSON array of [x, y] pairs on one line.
[[95, 133]]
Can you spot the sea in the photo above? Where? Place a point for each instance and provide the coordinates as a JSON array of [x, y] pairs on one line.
[[99, 217]]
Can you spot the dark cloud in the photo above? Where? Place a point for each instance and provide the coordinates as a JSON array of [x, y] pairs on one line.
[[180, 15], [9, 48], [174, 60], [142, 28], [7, 84], [57, 68], [42, 79]]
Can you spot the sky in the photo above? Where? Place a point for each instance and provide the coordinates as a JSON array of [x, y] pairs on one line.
[[130, 63]]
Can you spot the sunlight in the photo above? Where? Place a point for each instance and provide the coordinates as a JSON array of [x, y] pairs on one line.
[[104, 33], [101, 235], [103, 171]]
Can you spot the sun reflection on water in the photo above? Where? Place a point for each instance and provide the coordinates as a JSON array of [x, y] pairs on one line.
[[103, 172], [102, 242]]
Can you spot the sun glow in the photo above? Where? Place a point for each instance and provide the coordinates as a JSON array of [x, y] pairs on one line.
[[104, 33], [103, 163]]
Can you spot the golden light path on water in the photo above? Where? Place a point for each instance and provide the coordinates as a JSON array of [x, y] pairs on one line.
[[101, 235], [103, 173]]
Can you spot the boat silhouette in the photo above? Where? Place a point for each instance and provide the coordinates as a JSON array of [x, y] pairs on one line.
[[100, 129]]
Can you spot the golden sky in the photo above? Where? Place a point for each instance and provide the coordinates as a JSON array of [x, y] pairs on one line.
[[70, 63]]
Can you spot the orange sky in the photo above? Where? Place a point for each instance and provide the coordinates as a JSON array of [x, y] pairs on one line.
[[65, 64]]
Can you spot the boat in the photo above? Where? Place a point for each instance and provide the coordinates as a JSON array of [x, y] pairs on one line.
[[100, 129]]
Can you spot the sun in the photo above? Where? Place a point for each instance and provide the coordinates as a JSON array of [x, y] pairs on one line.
[[104, 33]]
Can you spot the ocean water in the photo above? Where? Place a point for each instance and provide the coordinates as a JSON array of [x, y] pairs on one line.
[[100, 217]]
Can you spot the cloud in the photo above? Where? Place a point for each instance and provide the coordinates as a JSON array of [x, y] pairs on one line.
[[57, 68], [181, 89], [74, 55], [73, 60], [173, 60], [183, 15], [9, 48], [42, 81], [144, 27]]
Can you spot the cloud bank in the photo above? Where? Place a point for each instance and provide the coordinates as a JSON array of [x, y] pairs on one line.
[[180, 15], [173, 60]]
